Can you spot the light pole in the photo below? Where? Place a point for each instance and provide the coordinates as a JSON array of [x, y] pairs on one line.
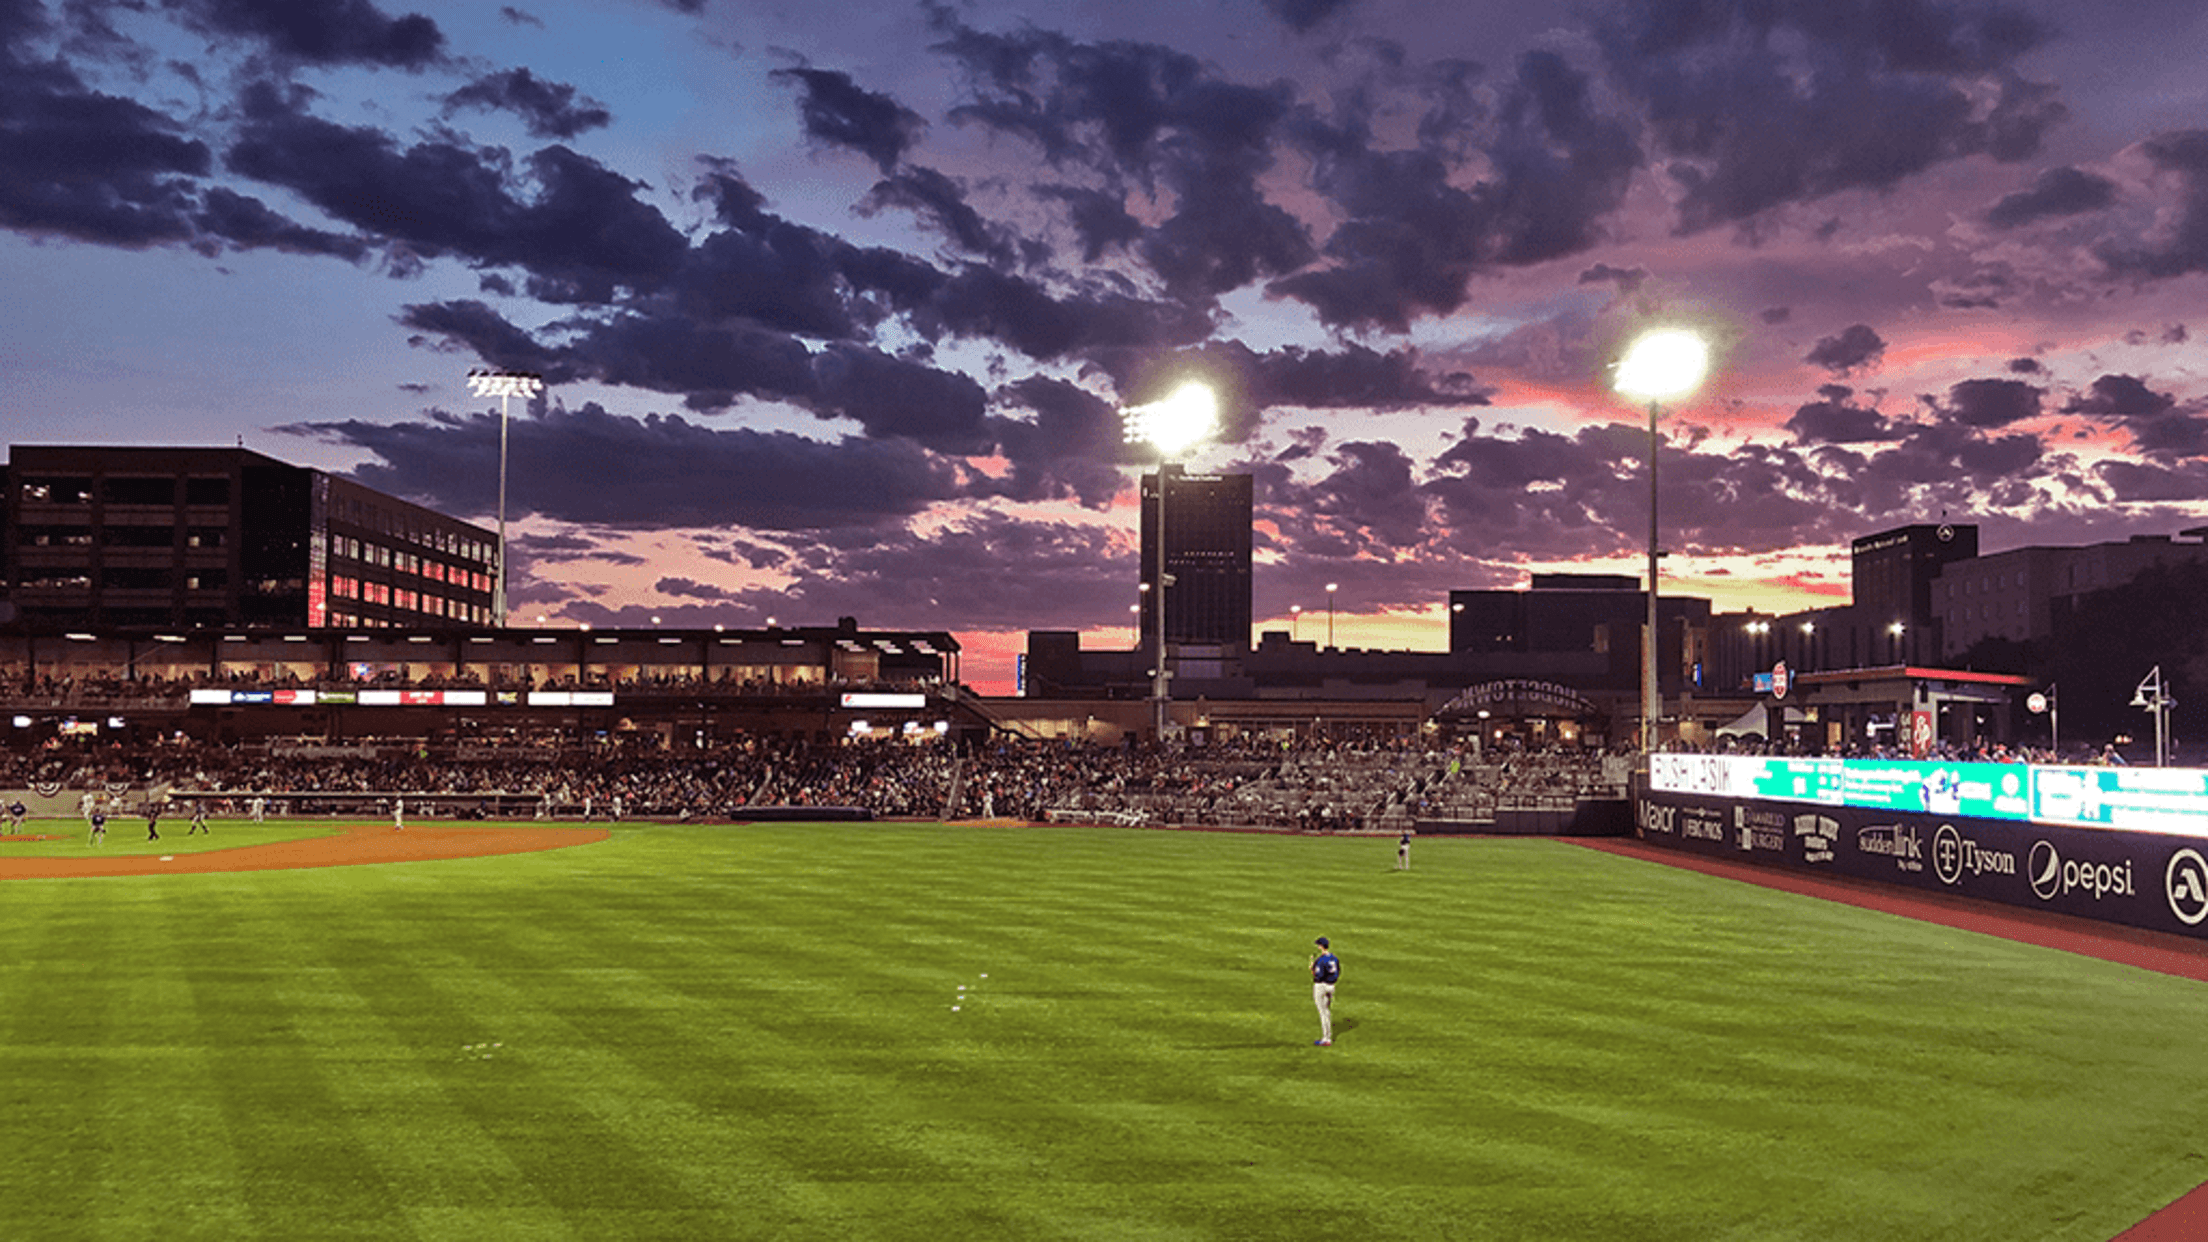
[[504, 385], [1662, 364], [1896, 630], [2153, 695], [1172, 425], [1295, 622], [1331, 587]]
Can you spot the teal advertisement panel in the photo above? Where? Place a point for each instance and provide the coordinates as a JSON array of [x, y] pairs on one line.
[[2166, 800]]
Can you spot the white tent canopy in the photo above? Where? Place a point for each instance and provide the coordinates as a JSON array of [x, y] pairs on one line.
[[1756, 722]]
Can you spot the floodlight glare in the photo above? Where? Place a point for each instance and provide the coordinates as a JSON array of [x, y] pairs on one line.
[[1662, 365], [1176, 422], [504, 384]]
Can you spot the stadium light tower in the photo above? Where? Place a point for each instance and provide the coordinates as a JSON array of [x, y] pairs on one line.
[[1173, 425], [504, 385], [1664, 364]]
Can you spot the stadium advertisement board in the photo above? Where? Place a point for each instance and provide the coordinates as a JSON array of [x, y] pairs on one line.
[[2155, 879], [2173, 800]]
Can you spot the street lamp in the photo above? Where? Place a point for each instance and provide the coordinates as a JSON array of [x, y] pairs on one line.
[[1172, 425], [1331, 587], [2153, 695], [1295, 622], [504, 385], [1664, 364], [1896, 629]]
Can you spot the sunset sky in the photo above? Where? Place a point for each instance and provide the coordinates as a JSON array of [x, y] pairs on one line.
[[837, 303]]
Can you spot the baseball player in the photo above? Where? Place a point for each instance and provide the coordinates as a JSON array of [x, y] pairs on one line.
[[1403, 851], [1326, 971]]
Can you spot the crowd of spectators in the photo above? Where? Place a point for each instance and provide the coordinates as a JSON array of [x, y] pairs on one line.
[[1983, 751], [73, 692], [1313, 785]]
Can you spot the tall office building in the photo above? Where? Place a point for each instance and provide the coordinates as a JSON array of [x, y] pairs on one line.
[[1207, 555], [1893, 573], [102, 537]]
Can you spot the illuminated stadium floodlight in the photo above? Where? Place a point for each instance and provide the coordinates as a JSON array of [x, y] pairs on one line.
[[1664, 364], [1176, 423], [1173, 424], [504, 385]]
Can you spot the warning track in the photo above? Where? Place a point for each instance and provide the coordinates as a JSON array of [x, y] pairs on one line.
[[352, 847]]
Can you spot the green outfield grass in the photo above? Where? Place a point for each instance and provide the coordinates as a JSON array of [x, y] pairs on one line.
[[759, 1032], [126, 834]]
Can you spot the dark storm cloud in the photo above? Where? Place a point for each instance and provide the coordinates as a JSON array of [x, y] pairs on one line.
[[1758, 105], [1150, 116], [2120, 397], [2133, 482], [1368, 503], [797, 279], [707, 364], [690, 588], [322, 32], [1834, 421], [837, 112], [979, 302], [1301, 15], [475, 327], [600, 469], [1412, 236], [1069, 575], [2058, 192], [940, 203], [1350, 377], [1988, 402], [1857, 346], [2159, 427], [2182, 246], [548, 109], [1542, 494], [1948, 463], [1540, 491], [82, 164], [891, 397], [1072, 447], [519, 17], [567, 548], [1627, 279], [1100, 221], [246, 223], [583, 235]]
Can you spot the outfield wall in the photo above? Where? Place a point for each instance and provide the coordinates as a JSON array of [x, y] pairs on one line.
[[2120, 845]]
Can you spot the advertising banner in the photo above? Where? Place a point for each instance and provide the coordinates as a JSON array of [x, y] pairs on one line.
[[2155, 880]]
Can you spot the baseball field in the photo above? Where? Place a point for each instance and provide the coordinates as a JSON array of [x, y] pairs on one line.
[[892, 1031]]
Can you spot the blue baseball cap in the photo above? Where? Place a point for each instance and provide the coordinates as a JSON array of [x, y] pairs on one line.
[[1321, 942]]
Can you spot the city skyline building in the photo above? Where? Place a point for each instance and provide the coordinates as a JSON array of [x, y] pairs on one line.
[[1207, 557], [184, 537]]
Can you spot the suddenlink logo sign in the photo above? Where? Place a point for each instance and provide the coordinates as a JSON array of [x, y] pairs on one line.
[[2053, 875], [1955, 856]]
